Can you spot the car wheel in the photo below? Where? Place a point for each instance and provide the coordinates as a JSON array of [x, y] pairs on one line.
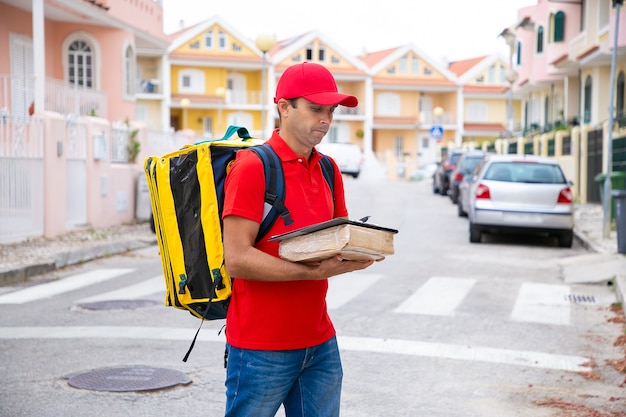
[[435, 189], [566, 239], [460, 210], [453, 196], [475, 233]]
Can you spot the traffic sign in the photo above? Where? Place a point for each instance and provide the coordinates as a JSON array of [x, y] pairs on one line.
[[436, 132]]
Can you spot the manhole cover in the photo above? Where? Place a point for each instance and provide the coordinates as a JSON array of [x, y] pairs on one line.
[[118, 304], [128, 378]]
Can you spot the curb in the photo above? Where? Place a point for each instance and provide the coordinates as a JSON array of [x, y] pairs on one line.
[[620, 279], [75, 257]]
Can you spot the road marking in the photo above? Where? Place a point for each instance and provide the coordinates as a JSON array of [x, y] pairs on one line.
[[346, 343], [468, 353], [542, 303], [49, 289], [439, 296], [141, 289], [343, 288]]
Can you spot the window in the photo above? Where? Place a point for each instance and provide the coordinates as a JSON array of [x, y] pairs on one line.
[[391, 70], [587, 102], [476, 111], [388, 104], [398, 147], [309, 53], [80, 64], [546, 111], [191, 81], [221, 40], [403, 65], [492, 74], [540, 39], [335, 60], [129, 71], [502, 74], [619, 96], [518, 56], [559, 27], [208, 40], [194, 45], [427, 71], [321, 52], [415, 65], [207, 127]]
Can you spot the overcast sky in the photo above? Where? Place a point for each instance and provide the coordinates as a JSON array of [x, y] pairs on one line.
[[442, 29]]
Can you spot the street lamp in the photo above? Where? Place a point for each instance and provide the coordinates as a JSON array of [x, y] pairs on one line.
[[184, 104], [264, 43], [511, 76]]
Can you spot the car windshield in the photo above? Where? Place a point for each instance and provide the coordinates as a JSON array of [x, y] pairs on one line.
[[528, 172], [469, 162], [454, 158]]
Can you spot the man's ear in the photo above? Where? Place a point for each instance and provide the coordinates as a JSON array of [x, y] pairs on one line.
[[283, 107]]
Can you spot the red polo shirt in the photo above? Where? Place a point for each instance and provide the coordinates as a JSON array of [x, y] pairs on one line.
[[288, 314]]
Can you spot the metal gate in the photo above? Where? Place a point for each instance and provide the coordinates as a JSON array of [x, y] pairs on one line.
[[76, 158], [21, 178], [594, 164]]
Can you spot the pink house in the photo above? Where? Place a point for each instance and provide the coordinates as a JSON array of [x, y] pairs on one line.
[[73, 66]]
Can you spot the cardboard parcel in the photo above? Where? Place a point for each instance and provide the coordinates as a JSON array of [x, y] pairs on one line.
[[353, 240]]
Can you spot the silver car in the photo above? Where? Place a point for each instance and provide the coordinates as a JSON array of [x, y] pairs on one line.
[[520, 194]]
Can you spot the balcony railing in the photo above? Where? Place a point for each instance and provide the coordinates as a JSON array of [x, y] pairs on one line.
[[65, 98], [17, 95]]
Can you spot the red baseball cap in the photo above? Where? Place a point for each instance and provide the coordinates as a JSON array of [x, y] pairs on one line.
[[313, 82]]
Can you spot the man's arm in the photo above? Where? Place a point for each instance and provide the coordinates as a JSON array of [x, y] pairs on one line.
[[245, 261]]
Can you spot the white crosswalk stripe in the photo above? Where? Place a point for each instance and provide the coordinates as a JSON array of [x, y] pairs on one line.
[[439, 296], [343, 288], [542, 303], [61, 286], [142, 289]]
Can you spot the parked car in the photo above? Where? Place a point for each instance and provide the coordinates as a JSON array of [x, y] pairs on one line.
[[424, 172], [463, 199], [521, 194], [348, 156], [464, 166], [441, 177]]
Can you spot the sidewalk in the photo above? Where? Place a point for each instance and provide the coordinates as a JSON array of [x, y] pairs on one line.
[[19, 262]]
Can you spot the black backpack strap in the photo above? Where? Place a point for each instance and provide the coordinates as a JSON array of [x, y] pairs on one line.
[[328, 169], [274, 189]]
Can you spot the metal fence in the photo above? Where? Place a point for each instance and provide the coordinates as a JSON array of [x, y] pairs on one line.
[[21, 178]]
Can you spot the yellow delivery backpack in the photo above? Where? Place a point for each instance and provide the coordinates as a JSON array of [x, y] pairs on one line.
[[187, 195]]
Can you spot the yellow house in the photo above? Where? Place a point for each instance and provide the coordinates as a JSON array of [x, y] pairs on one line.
[[485, 100], [350, 74], [414, 102], [215, 80]]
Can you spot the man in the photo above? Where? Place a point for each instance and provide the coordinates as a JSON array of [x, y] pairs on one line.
[[280, 340]]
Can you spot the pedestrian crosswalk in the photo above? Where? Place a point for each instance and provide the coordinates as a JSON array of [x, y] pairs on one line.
[[437, 296]]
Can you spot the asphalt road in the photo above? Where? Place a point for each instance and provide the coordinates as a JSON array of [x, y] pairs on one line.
[[442, 328]]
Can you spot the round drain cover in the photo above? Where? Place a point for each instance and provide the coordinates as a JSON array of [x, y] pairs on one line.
[[128, 378], [118, 304]]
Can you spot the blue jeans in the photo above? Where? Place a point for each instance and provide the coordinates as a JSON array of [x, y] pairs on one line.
[[307, 381]]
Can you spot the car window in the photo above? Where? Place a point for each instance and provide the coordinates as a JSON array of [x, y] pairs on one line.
[[469, 162], [527, 172]]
